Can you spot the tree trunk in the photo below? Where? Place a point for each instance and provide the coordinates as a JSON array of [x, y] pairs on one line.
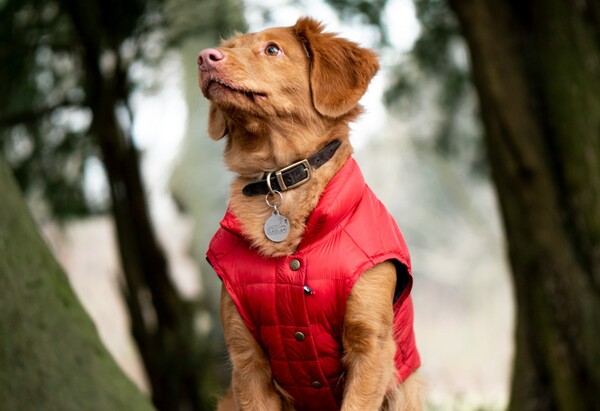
[[162, 322], [51, 357], [536, 67]]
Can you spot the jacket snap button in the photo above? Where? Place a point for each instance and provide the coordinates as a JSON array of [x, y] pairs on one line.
[[316, 384], [299, 336], [295, 265]]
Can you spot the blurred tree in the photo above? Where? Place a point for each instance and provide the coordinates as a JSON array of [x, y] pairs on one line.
[[68, 70], [536, 70], [51, 356], [436, 69]]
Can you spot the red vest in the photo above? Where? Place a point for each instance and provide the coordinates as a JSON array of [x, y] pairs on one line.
[[294, 305]]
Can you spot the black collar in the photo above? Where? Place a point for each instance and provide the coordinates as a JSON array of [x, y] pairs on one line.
[[293, 175]]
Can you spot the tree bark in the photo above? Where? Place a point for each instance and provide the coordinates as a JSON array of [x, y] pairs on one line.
[[536, 68], [51, 357]]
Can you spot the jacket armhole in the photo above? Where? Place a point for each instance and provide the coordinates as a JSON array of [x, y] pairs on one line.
[[403, 281]]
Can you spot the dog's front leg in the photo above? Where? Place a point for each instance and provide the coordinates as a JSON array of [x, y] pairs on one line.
[[369, 346], [251, 381]]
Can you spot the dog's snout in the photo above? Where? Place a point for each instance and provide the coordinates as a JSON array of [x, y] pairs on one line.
[[209, 57]]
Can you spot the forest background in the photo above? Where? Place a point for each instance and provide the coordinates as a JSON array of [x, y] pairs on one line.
[[481, 137]]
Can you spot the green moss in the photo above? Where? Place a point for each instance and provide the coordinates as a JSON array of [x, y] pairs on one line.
[[51, 357]]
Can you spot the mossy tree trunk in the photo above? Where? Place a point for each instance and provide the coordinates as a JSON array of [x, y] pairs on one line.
[[51, 357], [536, 67]]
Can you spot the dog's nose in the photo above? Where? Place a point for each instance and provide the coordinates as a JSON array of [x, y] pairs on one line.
[[209, 57]]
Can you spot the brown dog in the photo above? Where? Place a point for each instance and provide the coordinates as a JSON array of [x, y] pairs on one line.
[[315, 301]]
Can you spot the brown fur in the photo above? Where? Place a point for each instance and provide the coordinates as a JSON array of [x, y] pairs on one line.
[[274, 111]]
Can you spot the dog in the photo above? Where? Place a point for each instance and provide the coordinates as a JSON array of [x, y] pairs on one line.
[[315, 302]]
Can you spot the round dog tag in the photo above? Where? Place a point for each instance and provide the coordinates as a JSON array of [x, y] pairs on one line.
[[277, 227]]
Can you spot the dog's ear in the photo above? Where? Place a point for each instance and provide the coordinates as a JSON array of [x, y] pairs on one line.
[[217, 129], [340, 70]]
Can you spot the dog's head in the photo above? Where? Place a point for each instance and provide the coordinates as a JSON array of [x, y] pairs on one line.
[[298, 72]]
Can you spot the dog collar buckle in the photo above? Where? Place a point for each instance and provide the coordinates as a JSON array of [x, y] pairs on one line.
[[279, 175]]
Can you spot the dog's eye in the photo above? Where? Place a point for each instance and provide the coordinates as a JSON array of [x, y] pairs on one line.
[[273, 50]]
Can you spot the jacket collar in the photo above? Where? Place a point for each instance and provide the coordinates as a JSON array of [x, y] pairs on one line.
[[341, 196]]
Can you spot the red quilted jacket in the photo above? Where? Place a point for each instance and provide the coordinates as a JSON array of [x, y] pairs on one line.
[[294, 305]]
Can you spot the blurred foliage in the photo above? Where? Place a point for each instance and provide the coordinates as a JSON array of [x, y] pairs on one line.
[[45, 116], [41, 138], [439, 55], [371, 11], [215, 18], [437, 64], [44, 123]]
